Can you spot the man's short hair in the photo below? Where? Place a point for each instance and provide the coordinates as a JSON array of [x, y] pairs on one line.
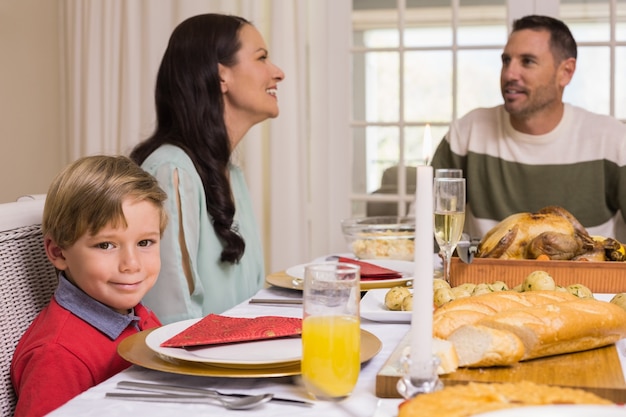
[[562, 43]]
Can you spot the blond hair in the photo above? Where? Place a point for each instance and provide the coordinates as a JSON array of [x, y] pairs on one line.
[[88, 195]]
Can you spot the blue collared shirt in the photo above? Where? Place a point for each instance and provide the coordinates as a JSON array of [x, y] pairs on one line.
[[100, 316]]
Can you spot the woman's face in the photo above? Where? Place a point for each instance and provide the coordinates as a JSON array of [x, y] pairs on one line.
[[250, 86]]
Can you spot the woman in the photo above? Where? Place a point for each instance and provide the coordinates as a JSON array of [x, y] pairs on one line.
[[215, 82]]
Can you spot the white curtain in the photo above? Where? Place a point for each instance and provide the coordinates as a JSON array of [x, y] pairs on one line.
[[297, 166]]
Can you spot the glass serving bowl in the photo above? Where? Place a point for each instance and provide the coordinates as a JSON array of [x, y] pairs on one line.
[[381, 237]]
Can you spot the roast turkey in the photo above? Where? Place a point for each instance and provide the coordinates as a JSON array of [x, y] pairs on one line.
[[552, 231]]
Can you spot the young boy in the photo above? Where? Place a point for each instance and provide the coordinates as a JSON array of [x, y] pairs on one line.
[[102, 223]]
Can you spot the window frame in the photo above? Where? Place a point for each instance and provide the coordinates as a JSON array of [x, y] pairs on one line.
[[515, 9]]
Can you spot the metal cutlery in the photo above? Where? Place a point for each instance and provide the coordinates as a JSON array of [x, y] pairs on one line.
[[198, 392], [467, 248], [241, 403], [275, 301]]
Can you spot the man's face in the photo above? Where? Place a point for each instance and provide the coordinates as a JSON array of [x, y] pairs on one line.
[[531, 80]]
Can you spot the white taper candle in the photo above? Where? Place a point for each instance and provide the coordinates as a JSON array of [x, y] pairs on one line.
[[422, 315]]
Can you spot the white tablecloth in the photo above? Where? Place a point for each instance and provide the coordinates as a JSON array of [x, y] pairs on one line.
[[363, 401]]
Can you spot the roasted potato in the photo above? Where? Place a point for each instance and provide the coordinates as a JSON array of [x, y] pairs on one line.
[[620, 299], [462, 291], [407, 303], [579, 291], [467, 287], [442, 296], [440, 283], [538, 280], [394, 297], [499, 286], [482, 289]]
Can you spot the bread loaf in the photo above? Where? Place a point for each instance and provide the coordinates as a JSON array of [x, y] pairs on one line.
[[564, 327], [474, 398], [444, 350], [542, 326], [448, 358], [479, 346], [457, 313]]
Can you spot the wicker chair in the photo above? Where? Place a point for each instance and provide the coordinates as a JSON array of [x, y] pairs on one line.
[[27, 281]]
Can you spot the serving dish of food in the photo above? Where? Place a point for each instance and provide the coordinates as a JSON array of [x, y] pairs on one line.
[[373, 308], [550, 240], [380, 237]]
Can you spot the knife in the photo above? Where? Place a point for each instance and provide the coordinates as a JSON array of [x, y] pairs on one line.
[[275, 301], [177, 389]]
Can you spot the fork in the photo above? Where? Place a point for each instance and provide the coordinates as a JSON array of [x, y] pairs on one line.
[[177, 389]]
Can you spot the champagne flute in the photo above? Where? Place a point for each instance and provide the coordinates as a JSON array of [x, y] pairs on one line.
[[447, 173], [449, 212]]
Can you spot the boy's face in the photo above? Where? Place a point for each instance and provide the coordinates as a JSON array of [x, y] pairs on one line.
[[117, 266]]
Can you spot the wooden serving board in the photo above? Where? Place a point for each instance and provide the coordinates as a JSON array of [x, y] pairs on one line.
[[598, 371]]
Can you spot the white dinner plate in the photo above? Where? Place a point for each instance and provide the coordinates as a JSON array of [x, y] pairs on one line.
[[406, 268], [373, 308], [559, 411], [603, 297], [264, 353]]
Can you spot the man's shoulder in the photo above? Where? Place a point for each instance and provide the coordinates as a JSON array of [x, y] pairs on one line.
[[482, 114], [586, 116], [482, 118]]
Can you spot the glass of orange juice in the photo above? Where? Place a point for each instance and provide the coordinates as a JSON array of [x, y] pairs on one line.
[[331, 334]]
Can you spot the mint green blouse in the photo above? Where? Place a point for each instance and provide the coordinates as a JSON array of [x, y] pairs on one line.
[[218, 286]]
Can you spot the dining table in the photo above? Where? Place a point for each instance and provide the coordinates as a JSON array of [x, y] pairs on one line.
[[284, 301], [362, 402]]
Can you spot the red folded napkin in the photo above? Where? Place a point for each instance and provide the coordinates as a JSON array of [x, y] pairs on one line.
[[370, 271], [215, 329]]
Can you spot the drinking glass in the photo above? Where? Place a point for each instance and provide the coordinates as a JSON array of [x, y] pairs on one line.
[[449, 211], [331, 335], [448, 173]]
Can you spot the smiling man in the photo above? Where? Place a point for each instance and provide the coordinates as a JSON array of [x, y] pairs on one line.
[[534, 150]]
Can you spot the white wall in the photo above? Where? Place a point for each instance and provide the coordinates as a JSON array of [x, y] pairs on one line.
[[30, 112]]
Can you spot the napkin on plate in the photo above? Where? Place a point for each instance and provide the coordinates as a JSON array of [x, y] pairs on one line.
[[370, 271], [216, 329]]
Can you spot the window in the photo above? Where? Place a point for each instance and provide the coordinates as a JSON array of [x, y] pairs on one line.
[[419, 64]]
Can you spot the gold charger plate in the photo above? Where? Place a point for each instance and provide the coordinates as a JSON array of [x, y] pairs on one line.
[[135, 350], [281, 279]]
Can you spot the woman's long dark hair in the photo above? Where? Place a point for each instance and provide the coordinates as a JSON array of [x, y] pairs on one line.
[[190, 113]]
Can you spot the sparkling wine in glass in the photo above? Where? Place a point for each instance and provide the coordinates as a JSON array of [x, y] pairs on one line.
[[447, 173], [449, 211]]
